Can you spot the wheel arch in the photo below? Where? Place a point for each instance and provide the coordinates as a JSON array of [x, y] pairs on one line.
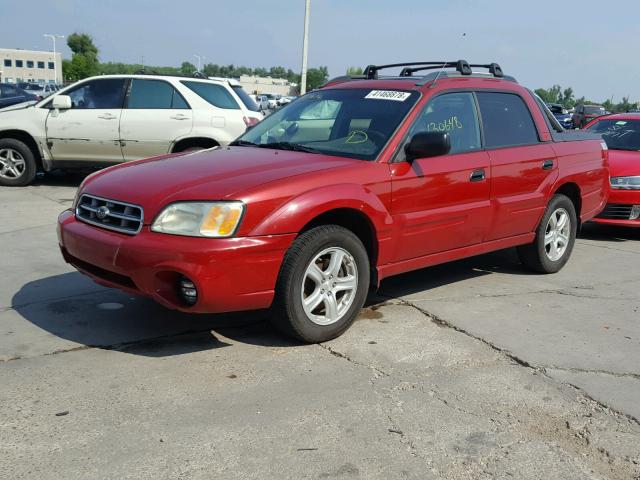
[[189, 142], [571, 190], [28, 140]]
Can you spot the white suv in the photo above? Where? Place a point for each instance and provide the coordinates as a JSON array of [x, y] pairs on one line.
[[101, 121]]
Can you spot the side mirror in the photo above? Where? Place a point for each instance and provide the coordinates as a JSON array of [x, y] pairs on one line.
[[61, 102], [427, 144]]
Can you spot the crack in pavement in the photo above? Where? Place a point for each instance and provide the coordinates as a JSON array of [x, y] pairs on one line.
[[538, 369], [27, 228], [55, 299], [121, 346], [596, 371], [586, 243], [338, 354]]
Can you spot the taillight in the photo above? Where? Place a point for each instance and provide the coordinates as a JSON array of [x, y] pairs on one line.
[[250, 121]]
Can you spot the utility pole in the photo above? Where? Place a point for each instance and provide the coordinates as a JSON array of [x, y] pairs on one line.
[[200, 60], [305, 48], [55, 58]]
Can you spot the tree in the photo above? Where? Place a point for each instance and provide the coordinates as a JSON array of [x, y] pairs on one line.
[[187, 68], [84, 61], [354, 71], [316, 77]]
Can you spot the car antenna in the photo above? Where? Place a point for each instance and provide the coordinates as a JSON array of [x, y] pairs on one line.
[[438, 75]]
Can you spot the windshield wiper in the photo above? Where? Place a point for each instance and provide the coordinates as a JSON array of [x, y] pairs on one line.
[[242, 143], [295, 147]]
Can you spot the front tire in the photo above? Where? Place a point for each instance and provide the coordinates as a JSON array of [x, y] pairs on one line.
[[555, 237], [323, 284], [17, 163]]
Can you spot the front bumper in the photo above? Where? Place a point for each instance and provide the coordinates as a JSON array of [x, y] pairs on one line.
[[230, 274], [618, 208]]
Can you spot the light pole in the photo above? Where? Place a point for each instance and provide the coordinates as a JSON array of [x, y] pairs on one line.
[[55, 59], [305, 47], [200, 60]]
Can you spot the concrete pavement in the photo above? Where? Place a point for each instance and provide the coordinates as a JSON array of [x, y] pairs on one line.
[[476, 369]]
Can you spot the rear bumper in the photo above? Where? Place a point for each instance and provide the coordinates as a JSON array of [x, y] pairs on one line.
[[618, 209], [230, 274]]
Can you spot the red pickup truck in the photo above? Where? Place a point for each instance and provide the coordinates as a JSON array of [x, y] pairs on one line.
[[362, 179]]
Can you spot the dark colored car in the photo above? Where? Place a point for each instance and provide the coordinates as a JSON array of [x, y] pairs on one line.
[[11, 95], [561, 114], [360, 180], [585, 113]]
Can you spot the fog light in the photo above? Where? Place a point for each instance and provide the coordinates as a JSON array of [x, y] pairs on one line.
[[187, 291], [635, 212]]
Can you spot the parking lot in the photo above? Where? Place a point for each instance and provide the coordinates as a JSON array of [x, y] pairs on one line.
[[475, 369]]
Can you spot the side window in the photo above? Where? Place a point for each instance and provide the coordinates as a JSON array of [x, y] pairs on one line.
[[98, 94], [154, 94], [454, 113], [216, 95], [8, 91], [506, 120]]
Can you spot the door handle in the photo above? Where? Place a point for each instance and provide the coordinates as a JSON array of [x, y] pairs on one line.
[[477, 176], [107, 116], [547, 164], [179, 116]]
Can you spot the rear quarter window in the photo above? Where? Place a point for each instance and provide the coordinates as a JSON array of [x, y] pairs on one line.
[[216, 95]]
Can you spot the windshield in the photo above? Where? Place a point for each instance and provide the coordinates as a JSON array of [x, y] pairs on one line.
[[246, 99], [353, 123], [32, 86], [619, 134], [594, 110]]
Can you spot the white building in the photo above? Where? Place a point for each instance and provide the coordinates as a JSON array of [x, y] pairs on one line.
[[18, 65], [280, 86]]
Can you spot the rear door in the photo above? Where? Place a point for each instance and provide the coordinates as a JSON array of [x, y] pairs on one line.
[[155, 115], [522, 167], [442, 203], [89, 131]]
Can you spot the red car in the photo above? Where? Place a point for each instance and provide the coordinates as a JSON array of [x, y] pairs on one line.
[[363, 179], [622, 134]]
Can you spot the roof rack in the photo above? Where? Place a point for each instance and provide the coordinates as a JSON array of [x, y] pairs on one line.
[[409, 68], [144, 71]]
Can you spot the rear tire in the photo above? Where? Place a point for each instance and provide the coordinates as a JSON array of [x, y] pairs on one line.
[[555, 237], [323, 284], [17, 163]]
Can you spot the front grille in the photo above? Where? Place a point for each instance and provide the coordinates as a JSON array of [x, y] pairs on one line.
[[614, 211], [110, 214]]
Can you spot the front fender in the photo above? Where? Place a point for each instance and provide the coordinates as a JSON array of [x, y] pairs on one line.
[[302, 209]]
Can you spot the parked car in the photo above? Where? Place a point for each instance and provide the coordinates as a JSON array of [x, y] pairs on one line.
[[272, 100], [284, 100], [12, 95], [263, 102], [111, 119], [622, 134], [585, 113], [561, 114], [39, 90], [352, 183]]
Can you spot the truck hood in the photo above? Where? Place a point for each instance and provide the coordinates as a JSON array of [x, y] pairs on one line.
[[623, 163], [215, 174]]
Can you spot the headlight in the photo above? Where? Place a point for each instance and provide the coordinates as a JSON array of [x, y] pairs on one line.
[[199, 219], [625, 183]]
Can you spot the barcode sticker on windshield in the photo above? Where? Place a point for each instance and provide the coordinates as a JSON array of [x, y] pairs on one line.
[[388, 95]]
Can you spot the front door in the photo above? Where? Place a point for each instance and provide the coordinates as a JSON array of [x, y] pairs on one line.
[[154, 116], [442, 203], [89, 130]]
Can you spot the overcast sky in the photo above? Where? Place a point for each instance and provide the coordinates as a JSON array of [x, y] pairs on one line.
[[588, 45]]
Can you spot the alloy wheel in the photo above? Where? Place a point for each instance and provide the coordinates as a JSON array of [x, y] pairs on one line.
[[329, 286], [12, 164], [557, 234]]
